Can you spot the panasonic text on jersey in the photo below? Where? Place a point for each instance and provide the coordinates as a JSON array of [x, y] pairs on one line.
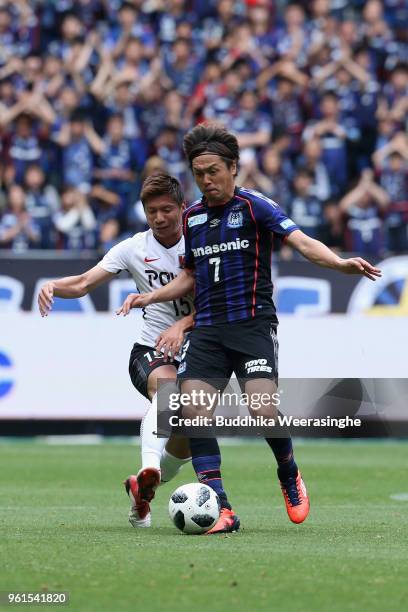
[[220, 248]]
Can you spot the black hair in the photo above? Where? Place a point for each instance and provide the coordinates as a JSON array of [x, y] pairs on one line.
[[78, 40], [182, 39], [302, 171], [127, 6], [115, 116], [211, 138], [329, 94], [249, 90], [397, 154], [78, 115], [400, 67]]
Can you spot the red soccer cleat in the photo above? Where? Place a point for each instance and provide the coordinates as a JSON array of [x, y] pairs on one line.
[[139, 513], [227, 523], [148, 480], [296, 498]]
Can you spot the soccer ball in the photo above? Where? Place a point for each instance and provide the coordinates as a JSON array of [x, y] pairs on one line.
[[194, 508]]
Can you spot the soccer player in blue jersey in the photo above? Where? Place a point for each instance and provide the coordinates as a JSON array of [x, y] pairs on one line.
[[228, 236]]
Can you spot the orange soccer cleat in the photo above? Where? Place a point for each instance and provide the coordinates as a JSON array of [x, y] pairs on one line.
[[296, 499], [227, 522]]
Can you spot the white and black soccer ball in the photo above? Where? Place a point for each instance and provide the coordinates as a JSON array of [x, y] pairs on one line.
[[194, 508]]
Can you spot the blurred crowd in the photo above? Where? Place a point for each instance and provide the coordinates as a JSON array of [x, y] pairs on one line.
[[96, 94]]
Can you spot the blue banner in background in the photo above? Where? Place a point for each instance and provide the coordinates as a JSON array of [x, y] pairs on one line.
[[300, 287]]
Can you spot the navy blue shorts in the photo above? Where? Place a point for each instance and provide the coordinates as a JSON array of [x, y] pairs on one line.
[[249, 348]]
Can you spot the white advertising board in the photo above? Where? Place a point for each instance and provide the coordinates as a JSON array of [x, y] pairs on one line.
[[76, 365]]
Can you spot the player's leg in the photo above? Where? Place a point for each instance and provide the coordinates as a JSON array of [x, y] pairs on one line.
[[205, 452], [146, 367], [258, 366], [203, 355], [167, 455], [291, 482], [175, 454]]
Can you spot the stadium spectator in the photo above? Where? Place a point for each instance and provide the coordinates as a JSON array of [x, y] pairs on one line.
[[391, 163], [75, 222], [118, 159], [106, 207], [173, 12], [363, 208], [332, 136], [181, 68], [25, 148], [285, 94], [151, 112], [276, 184], [18, 230], [220, 100], [42, 202], [78, 142], [252, 127], [306, 209], [129, 26], [168, 147], [292, 39], [311, 160]]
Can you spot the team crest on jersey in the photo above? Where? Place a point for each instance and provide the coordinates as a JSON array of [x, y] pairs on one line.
[[235, 219], [197, 220]]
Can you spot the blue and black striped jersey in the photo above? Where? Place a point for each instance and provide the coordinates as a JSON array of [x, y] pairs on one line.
[[229, 247]]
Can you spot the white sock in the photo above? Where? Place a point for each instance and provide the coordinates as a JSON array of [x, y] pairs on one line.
[[170, 465], [152, 446]]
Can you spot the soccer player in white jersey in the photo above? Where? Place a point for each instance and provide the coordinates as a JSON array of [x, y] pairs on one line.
[[153, 258]]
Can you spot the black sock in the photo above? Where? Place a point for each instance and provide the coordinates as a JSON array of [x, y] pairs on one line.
[[283, 450], [206, 460]]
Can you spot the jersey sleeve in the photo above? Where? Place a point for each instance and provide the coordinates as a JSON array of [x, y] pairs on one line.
[[188, 255], [271, 216], [116, 259]]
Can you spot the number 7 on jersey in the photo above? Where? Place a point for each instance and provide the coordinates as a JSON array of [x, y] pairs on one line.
[[215, 261]]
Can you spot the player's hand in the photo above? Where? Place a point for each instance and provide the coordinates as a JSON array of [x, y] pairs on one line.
[[170, 341], [357, 265], [46, 298], [134, 300]]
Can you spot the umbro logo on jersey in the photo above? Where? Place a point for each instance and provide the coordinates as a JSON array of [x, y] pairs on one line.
[[150, 259], [215, 222]]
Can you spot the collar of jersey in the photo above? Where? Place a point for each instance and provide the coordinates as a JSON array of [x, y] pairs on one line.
[[164, 246]]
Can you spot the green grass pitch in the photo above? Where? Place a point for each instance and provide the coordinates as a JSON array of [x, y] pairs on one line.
[[63, 514]]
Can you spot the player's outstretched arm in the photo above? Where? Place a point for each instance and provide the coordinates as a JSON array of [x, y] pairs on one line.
[[318, 253], [71, 287], [182, 285], [170, 341]]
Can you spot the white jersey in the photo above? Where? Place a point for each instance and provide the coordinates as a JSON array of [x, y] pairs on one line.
[[152, 266]]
